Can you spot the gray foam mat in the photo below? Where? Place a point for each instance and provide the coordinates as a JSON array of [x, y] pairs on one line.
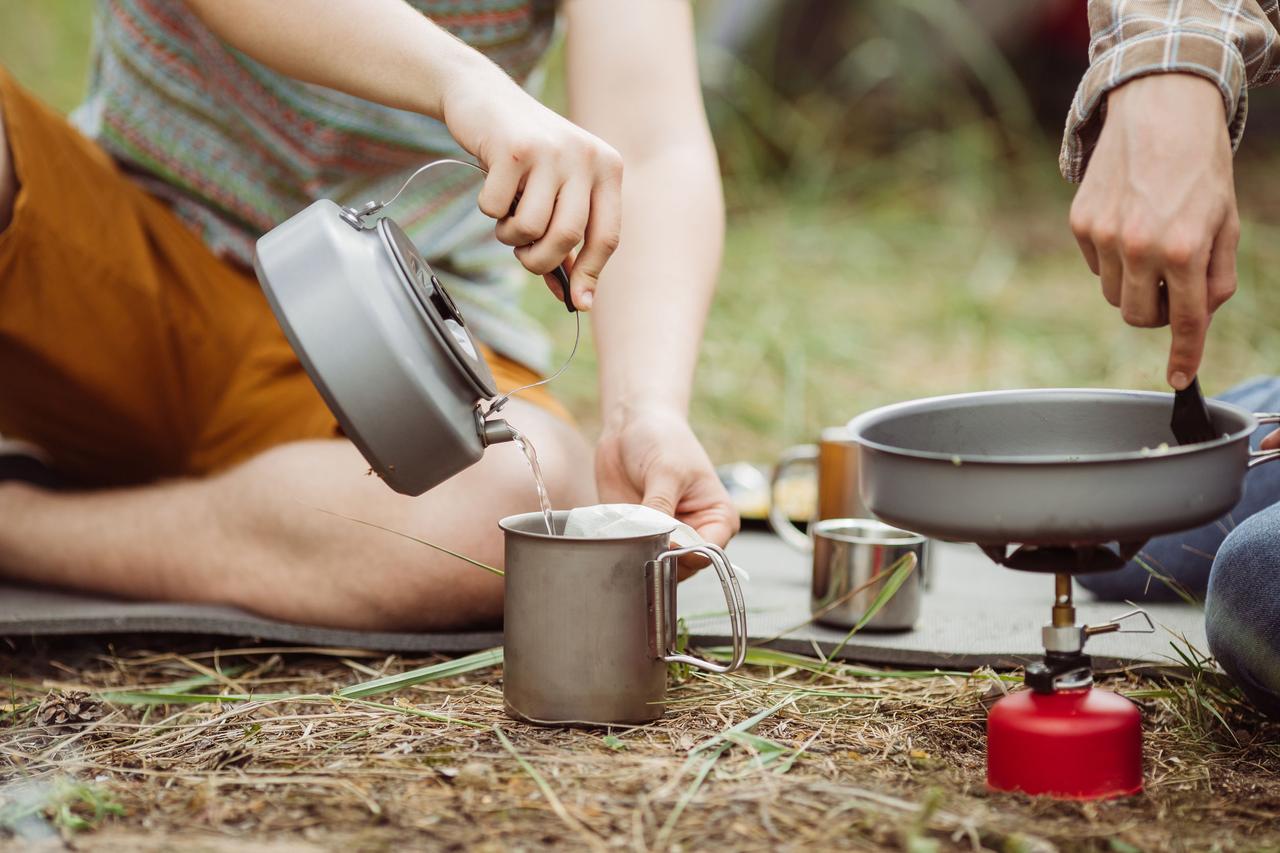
[[974, 614]]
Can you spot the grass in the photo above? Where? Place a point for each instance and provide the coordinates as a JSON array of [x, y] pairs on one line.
[[768, 757]]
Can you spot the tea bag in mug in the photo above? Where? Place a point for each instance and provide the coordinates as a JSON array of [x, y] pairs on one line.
[[617, 521]]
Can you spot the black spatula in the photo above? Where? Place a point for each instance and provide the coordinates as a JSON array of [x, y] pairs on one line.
[[1191, 423]]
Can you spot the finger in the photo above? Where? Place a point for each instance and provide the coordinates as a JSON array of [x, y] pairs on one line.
[[1082, 228], [1141, 301], [686, 570], [563, 234], [1090, 254], [1222, 263], [1111, 273], [1188, 321], [718, 532], [533, 211], [604, 229], [553, 283], [500, 188], [662, 492], [1272, 441]]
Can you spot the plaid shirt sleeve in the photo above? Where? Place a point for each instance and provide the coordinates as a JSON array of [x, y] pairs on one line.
[[1231, 43]]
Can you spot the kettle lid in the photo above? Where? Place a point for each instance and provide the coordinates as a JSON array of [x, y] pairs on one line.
[[434, 303]]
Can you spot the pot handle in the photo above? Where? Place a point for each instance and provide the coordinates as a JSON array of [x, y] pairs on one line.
[[1259, 457], [662, 606], [801, 454]]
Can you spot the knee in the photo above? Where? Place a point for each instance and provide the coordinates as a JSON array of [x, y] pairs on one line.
[[1242, 610]]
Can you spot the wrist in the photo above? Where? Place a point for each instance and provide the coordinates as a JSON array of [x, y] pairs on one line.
[[1179, 89], [469, 78], [620, 411]]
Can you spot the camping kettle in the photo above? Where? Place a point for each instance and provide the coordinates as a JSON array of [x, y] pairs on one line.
[[382, 340]]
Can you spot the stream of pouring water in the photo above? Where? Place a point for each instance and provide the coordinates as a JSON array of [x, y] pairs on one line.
[[521, 441], [531, 456]]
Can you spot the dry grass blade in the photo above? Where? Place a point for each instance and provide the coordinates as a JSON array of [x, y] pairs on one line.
[[435, 672], [714, 748], [415, 712], [556, 806], [897, 576]]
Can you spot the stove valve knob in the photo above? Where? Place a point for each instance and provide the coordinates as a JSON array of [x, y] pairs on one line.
[[1113, 625]]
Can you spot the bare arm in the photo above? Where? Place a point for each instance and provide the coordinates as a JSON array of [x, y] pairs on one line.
[[633, 80], [380, 50], [388, 52]]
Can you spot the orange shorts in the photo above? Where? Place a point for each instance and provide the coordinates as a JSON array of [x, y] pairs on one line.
[[128, 351]]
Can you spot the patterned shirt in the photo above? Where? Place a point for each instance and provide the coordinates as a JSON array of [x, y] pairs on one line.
[[1231, 43], [236, 148]]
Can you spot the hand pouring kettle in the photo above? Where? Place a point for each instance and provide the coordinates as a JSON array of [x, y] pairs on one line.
[[382, 340]]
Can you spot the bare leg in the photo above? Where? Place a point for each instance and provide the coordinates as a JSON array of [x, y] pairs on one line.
[[8, 180], [254, 536]]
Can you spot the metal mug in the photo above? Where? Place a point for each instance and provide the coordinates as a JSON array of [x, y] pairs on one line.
[[835, 457], [590, 624], [848, 553]]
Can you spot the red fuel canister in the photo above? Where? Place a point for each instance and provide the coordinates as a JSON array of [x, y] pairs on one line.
[[1075, 744]]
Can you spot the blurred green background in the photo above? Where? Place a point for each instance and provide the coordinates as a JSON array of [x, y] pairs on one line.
[[897, 224]]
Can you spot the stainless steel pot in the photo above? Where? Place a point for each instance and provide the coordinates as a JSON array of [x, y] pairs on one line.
[[590, 624], [382, 340], [1051, 467]]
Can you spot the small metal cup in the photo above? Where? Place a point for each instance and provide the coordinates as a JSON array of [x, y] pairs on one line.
[[590, 624], [848, 553]]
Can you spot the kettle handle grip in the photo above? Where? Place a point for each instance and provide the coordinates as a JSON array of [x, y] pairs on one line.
[[563, 278]]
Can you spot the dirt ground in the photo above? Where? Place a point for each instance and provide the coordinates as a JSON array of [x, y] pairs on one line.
[[104, 747]]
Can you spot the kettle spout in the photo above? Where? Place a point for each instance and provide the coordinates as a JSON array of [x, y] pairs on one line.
[[496, 431]]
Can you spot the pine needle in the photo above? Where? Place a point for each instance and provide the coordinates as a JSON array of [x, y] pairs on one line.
[[488, 568]]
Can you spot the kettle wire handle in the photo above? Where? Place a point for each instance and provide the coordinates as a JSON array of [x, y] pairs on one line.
[[361, 219]]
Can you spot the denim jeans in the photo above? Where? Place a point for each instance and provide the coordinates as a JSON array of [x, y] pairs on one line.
[[1232, 563]]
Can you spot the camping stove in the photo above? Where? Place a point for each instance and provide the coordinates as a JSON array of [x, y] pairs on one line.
[[1080, 479], [1063, 737]]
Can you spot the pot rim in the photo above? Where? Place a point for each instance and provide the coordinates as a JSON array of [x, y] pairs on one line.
[[894, 537], [859, 425]]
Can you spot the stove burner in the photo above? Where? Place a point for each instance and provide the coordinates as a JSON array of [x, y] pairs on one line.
[[1073, 559]]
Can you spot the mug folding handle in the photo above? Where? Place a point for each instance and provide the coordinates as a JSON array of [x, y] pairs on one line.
[[801, 454], [661, 576]]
